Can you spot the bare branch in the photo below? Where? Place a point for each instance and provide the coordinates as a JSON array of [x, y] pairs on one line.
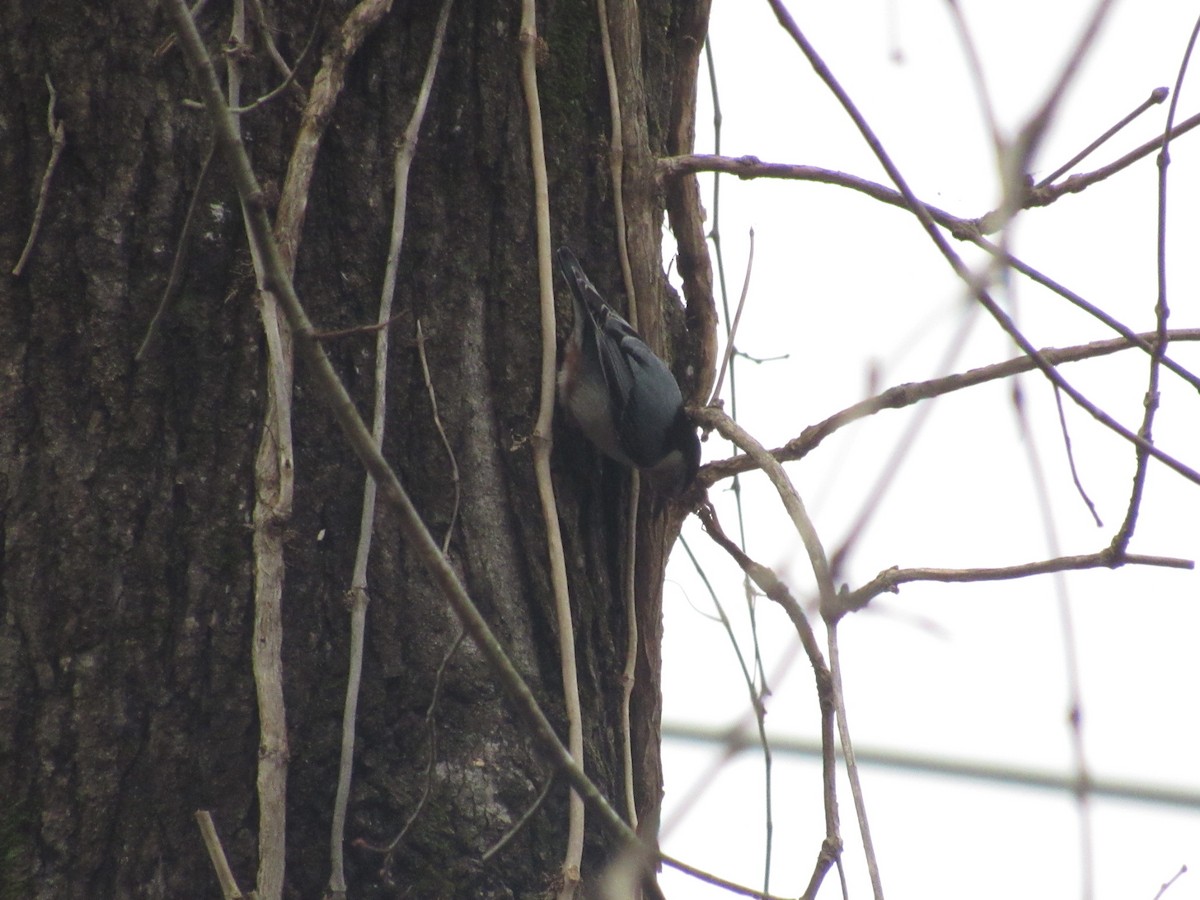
[[770, 584], [1066, 436], [1167, 884], [358, 587], [543, 441], [903, 395], [965, 229], [711, 417], [889, 580], [1077, 183], [1158, 95], [856, 792], [356, 329]]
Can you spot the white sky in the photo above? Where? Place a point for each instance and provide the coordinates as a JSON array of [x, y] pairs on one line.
[[841, 284]]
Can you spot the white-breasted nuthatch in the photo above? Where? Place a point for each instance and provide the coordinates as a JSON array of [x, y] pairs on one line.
[[621, 395]]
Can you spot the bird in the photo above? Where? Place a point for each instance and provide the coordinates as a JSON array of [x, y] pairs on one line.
[[620, 394]]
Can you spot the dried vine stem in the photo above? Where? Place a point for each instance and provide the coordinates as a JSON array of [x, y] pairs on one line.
[[274, 492], [359, 597], [58, 140], [216, 855], [616, 170], [543, 442], [181, 248], [274, 467], [333, 392]]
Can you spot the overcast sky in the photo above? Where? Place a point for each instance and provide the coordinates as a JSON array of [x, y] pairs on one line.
[[854, 293]]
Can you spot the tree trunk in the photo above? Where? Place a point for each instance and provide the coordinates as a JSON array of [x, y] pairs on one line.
[[127, 488]]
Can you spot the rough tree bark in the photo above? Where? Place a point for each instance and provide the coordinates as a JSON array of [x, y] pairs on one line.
[[126, 488]]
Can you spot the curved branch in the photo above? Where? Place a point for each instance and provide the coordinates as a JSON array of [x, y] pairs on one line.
[[903, 395]]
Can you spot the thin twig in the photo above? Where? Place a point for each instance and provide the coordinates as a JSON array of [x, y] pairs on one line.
[[856, 792], [616, 160], [216, 855], [1066, 436], [685, 213], [771, 585], [58, 140], [430, 721], [431, 757], [616, 171], [1158, 95], [258, 14], [359, 600], [1078, 183], [889, 580], [729, 365], [1167, 884], [1161, 313], [1070, 654], [260, 20], [290, 76], [1092, 310], [708, 878], [737, 319], [629, 670], [1030, 136], [1002, 777], [441, 430], [961, 228], [327, 86], [181, 251], [521, 822], [542, 443], [356, 329], [169, 41], [747, 167], [758, 710]]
